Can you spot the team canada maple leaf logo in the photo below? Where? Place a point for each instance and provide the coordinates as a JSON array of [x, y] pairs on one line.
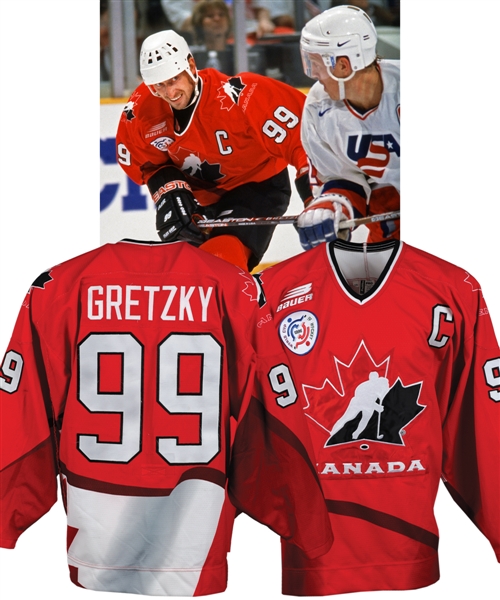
[[230, 91], [191, 164], [42, 279], [253, 287], [470, 280], [360, 402], [128, 110]]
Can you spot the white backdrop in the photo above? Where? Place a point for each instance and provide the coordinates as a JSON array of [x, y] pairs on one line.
[[49, 123]]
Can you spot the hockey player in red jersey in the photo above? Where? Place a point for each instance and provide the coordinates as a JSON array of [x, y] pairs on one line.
[[127, 369], [395, 354], [212, 144], [350, 127]]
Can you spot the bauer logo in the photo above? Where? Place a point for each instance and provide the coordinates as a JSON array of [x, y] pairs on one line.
[[299, 331], [296, 296]]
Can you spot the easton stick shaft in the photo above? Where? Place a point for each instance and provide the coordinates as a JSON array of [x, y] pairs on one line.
[[290, 220]]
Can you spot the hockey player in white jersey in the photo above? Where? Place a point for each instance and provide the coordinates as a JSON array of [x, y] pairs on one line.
[[350, 126]]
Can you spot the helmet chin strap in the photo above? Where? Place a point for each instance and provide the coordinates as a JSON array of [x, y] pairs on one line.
[[195, 78], [341, 81]]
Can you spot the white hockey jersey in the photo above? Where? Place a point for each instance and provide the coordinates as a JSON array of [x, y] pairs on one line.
[[393, 355], [359, 152], [131, 376]]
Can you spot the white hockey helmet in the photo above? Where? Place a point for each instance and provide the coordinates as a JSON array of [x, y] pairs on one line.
[[164, 55], [339, 31]]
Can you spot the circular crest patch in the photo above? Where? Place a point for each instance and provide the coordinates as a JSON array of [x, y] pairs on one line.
[[299, 331], [162, 143]]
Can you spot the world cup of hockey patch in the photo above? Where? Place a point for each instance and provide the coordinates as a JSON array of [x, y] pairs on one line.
[[162, 143], [299, 331]]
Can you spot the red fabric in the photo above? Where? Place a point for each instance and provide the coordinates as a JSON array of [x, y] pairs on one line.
[[244, 128], [424, 328], [143, 352]]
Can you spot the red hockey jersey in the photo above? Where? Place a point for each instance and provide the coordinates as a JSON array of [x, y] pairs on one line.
[[394, 354], [244, 128], [127, 367]]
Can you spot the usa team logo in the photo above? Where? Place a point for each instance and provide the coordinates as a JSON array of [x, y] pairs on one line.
[[299, 331]]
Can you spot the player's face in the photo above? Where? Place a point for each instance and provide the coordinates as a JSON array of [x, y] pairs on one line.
[[331, 87], [177, 91], [314, 66], [215, 21]]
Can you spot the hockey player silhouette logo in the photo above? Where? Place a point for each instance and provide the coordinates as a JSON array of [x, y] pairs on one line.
[[377, 412], [193, 166], [363, 404], [230, 91]]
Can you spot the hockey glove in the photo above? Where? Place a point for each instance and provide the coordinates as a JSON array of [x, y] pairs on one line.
[[320, 221], [174, 214]]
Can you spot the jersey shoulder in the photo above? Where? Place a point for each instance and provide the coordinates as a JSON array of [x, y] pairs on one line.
[[266, 82], [288, 274], [391, 75], [130, 260], [59, 281], [142, 108], [259, 88], [319, 103], [440, 272]]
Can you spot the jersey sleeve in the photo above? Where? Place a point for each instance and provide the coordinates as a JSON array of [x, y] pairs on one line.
[[272, 477], [28, 478], [273, 110], [329, 170], [471, 432], [138, 159]]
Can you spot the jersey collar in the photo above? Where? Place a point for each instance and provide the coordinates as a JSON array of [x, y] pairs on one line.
[[393, 246]]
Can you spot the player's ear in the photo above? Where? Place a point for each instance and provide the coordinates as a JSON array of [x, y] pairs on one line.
[[345, 66], [192, 65]]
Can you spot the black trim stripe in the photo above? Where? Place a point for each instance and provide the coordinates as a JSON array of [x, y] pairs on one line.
[[258, 410], [359, 511], [202, 473]]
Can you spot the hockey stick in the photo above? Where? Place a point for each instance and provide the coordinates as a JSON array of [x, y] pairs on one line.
[[285, 220], [379, 435]]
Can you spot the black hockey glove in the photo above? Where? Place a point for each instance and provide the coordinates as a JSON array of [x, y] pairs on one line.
[[175, 207]]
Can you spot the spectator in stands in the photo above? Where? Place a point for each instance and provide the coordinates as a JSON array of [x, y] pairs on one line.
[[262, 16], [271, 14], [211, 22], [151, 18], [278, 16], [105, 63], [381, 12], [179, 13]]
